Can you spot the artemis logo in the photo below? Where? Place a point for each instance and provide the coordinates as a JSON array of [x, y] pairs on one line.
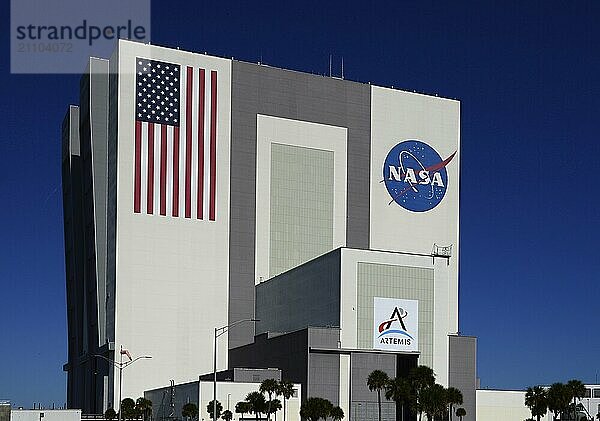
[[396, 324], [386, 328], [415, 175]]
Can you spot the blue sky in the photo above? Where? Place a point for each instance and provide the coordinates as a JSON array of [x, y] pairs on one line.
[[527, 77]]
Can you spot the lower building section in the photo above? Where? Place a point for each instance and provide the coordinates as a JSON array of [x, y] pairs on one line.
[[501, 405], [463, 371], [233, 386], [314, 358]]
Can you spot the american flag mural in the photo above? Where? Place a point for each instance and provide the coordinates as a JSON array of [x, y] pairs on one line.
[[175, 140]]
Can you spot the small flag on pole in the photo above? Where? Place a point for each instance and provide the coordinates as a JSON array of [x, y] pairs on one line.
[[126, 352]]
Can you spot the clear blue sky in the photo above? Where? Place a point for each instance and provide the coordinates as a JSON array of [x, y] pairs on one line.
[[527, 75]]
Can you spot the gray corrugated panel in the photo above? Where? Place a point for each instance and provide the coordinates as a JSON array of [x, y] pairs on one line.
[[280, 93], [99, 144], [308, 295], [463, 371]]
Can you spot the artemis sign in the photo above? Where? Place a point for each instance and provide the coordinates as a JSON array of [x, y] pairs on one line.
[[396, 324]]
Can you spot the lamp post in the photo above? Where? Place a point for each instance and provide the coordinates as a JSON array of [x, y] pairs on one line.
[[121, 365], [218, 332]]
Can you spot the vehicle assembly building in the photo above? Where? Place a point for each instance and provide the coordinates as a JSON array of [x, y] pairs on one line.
[[201, 191]]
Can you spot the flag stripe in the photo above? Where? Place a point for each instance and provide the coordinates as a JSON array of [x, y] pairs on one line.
[[176, 171], [188, 144], [150, 195], [213, 143], [138, 171], [143, 167], [163, 170], [201, 96]]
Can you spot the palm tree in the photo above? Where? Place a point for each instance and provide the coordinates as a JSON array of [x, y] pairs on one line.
[[460, 412], [274, 406], [336, 413], [128, 408], [243, 407], [399, 391], [257, 403], [315, 408], [227, 415], [433, 401], [270, 387], [110, 414], [453, 397], [211, 407], [537, 401], [559, 397], [377, 380], [577, 389], [420, 378], [189, 410], [144, 407], [286, 389]]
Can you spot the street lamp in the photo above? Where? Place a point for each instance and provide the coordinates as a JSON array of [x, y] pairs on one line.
[[121, 365], [218, 332]]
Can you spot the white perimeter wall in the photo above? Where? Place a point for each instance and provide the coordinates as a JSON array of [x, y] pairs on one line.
[[49, 415], [171, 273], [397, 116], [230, 393], [501, 405]]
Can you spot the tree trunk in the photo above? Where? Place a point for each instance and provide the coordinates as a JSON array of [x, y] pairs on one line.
[[452, 414], [284, 399], [379, 402]]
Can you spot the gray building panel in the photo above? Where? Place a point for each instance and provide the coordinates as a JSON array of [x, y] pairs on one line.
[[363, 402], [73, 234], [463, 371], [167, 402], [308, 295], [324, 377], [289, 353], [282, 93], [85, 170], [99, 80]]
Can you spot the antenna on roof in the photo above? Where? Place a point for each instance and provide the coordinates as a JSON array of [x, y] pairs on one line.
[[329, 65], [342, 67]]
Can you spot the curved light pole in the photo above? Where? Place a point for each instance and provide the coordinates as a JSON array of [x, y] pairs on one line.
[[218, 332], [121, 365]]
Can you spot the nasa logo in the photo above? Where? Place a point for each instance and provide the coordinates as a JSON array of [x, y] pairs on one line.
[[415, 175]]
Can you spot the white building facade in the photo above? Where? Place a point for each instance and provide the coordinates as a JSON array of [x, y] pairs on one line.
[[188, 180]]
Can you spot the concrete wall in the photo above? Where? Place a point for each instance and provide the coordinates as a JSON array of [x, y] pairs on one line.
[[172, 271], [501, 405], [308, 295], [229, 394], [350, 308], [463, 371], [397, 116], [289, 353], [300, 99], [48, 415], [167, 401], [364, 402]]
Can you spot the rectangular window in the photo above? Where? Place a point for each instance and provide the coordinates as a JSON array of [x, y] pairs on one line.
[[597, 393], [588, 393]]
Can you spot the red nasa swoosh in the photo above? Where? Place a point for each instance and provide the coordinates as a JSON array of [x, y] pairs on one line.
[[432, 168]]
